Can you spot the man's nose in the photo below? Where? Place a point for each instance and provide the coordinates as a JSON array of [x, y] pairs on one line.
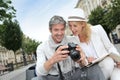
[[60, 32]]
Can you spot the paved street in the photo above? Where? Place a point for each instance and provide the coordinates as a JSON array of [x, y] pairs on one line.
[[19, 74]]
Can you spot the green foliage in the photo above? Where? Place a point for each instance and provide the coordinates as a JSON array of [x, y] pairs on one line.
[[2, 30], [108, 17], [96, 16], [115, 12], [12, 35], [29, 45], [6, 10]]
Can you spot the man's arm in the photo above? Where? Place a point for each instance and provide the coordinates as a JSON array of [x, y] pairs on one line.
[[48, 64]]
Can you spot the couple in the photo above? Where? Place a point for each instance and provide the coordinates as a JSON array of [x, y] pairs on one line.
[[92, 43]]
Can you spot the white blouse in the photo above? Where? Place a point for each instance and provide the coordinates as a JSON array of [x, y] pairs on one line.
[[89, 49]]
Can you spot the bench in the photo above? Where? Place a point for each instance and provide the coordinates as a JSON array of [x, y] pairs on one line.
[[3, 69]]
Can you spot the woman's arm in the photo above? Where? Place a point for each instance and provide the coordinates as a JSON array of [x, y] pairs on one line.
[[107, 44]]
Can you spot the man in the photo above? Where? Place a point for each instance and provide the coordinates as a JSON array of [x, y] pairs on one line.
[[56, 64]]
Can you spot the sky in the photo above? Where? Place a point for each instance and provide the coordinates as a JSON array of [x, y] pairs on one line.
[[34, 15]]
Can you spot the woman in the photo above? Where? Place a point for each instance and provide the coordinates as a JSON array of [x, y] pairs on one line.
[[94, 42]]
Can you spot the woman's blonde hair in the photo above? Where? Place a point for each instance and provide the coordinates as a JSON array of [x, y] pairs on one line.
[[86, 31]]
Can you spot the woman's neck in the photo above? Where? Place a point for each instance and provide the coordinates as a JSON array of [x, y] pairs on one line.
[[83, 39]]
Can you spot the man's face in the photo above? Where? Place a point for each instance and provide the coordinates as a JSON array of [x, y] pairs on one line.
[[57, 31]]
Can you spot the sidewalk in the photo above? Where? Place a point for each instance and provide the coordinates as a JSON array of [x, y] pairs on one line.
[[19, 74]]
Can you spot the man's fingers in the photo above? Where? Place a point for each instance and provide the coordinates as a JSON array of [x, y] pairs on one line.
[[64, 52], [62, 48]]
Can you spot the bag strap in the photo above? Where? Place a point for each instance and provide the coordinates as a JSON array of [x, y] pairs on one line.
[[60, 72]]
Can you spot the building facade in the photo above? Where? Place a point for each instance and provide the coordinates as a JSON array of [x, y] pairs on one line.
[[6, 56], [89, 5]]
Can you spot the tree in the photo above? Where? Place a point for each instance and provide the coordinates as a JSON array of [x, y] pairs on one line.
[[13, 36], [98, 16], [6, 10], [108, 17], [114, 13], [2, 30], [29, 45]]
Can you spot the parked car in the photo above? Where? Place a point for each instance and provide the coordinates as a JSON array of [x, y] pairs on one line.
[[115, 38]]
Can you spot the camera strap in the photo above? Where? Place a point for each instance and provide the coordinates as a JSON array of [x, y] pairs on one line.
[[60, 72]]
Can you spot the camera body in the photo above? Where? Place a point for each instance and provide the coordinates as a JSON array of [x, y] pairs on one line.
[[73, 53]]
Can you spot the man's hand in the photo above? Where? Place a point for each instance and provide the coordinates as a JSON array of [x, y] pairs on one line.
[[60, 54]]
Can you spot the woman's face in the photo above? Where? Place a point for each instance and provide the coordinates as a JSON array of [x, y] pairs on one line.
[[75, 27]]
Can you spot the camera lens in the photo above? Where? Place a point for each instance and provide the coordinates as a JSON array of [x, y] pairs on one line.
[[75, 55]]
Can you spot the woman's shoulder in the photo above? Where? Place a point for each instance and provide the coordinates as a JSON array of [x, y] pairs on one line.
[[97, 28]]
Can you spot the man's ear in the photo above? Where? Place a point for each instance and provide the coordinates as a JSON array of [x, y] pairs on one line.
[[50, 30]]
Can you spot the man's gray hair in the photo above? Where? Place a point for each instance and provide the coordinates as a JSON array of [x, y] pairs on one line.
[[56, 20]]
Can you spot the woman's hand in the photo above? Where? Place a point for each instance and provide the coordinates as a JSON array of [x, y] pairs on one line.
[[118, 64], [82, 60], [90, 59]]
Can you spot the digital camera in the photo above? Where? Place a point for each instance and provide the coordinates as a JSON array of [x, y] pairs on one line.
[[73, 53]]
